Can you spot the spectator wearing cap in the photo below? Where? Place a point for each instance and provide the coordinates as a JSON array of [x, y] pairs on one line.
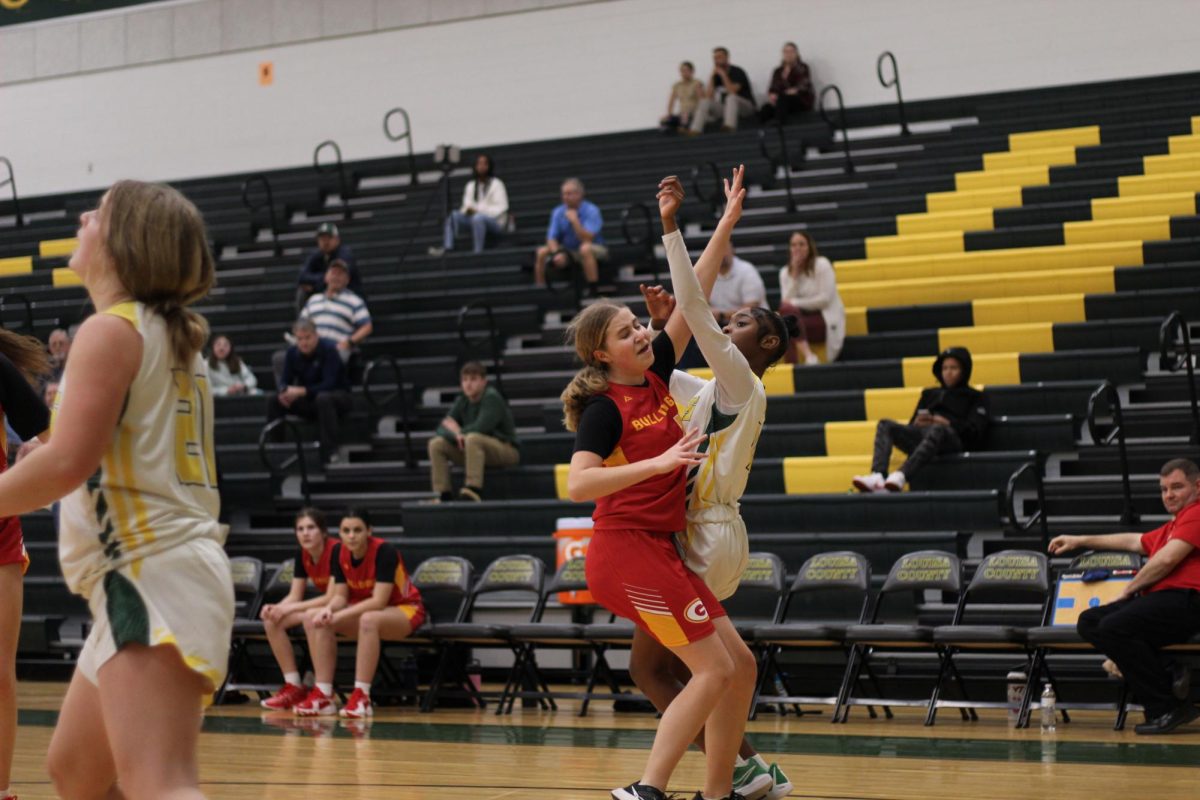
[[329, 247], [573, 236], [949, 418], [341, 316], [484, 207]]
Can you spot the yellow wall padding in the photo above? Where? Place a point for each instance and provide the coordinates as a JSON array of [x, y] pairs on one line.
[[1137, 185], [913, 244], [779, 379], [1036, 140], [995, 197], [560, 480], [990, 368], [856, 321], [1183, 144], [1196, 125], [18, 265], [1146, 229], [892, 403], [57, 247], [886, 294], [1037, 175], [63, 276], [1161, 165], [968, 219], [1011, 310], [1171, 205], [1045, 156], [1024, 337], [829, 474], [1016, 259]]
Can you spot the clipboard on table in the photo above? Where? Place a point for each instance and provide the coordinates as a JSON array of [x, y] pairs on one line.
[[1073, 595]]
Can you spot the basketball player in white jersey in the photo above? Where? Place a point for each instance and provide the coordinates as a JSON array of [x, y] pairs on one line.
[[730, 409], [131, 448]]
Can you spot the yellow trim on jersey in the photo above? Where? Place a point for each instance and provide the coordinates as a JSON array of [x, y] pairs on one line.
[[126, 311]]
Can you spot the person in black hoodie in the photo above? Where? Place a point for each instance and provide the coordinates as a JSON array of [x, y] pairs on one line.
[[948, 419]]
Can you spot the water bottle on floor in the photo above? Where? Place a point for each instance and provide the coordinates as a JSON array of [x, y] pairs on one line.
[[1048, 709]]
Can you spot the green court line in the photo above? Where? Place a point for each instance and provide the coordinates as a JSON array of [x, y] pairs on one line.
[[1046, 750]]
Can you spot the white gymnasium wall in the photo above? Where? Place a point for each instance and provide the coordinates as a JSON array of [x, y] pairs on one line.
[[559, 71]]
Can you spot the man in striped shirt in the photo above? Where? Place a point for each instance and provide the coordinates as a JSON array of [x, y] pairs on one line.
[[339, 314]]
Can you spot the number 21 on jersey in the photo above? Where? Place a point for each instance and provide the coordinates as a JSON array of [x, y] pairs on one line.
[[194, 461]]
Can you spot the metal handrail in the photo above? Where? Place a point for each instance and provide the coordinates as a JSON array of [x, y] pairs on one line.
[[841, 111], [1039, 518], [646, 242], [343, 183], [1107, 392], [782, 160], [887, 55], [416, 229], [714, 200], [270, 205], [1166, 337], [280, 470], [26, 325], [492, 338], [406, 137], [378, 405], [11, 180]]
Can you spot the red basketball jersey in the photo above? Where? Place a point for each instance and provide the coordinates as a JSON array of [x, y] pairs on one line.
[[319, 571], [649, 425], [361, 579]]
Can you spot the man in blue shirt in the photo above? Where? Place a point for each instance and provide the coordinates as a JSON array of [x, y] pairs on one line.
[[313, 386], [573, 236]]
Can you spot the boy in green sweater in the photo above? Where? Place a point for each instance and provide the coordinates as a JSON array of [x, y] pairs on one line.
[[478, 431]]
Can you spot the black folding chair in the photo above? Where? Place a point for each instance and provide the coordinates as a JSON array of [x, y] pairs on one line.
[[247, 574], [841, 580], [912, 575], [522, 574], [1000, 582]]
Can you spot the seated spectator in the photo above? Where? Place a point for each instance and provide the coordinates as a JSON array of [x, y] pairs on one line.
[[228, 375], [341, 316], [373, 601], [59, 345], [948, 419], [479, 431], [329, 247], [313, 562], [727, 97], [791, 90], [738, 285], [573, 236], [1159, 607], [313, 385], [50, 393], [686, 93], [808, 291], [484, 207]]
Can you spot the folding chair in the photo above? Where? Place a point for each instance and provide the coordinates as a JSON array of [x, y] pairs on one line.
[[1002, 579], [1061, 636], [525, 679], [841, 579], [247, 574], [913, 574], [521, 574]]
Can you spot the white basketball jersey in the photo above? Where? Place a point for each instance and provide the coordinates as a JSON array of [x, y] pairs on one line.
[[157, 483]]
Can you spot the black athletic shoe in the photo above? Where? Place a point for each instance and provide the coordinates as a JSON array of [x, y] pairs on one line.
[[1169, 721], [638, 791], [730, 796]]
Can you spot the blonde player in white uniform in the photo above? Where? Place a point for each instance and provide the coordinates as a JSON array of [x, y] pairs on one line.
[[131, 448], [730, 409]]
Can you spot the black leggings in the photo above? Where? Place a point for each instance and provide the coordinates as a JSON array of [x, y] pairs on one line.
[[921, 444]]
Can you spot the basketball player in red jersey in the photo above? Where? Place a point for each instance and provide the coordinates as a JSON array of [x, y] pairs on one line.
[[373, 600], [313, 562], [631, 457], [22, 359]]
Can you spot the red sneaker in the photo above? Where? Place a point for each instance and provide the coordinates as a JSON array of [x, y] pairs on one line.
[[286, 698], [358, 706], [315, 705]]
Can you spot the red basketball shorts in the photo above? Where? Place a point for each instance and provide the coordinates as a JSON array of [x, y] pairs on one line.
[[12, 545], [640, 576]]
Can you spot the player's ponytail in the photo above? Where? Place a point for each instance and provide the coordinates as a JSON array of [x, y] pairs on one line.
[[158, 242], [26, 353], [587, 332]]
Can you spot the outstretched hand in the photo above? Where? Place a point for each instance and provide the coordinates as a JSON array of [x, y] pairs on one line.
[[659, 302], [735, 193], [670, 197], [684, 453]]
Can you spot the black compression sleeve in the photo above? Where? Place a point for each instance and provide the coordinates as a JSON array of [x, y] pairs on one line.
[[599, 428]]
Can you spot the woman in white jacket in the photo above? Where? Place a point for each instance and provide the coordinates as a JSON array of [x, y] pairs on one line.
[[808, 290], [484, 207], [228, 375]]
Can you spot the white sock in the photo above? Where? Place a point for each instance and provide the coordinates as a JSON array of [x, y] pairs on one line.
[[756, 758], [738, 761], [365, 686], [326, 688], [292, 677]]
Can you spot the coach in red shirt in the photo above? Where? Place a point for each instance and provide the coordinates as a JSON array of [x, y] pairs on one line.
[[1159, 607]]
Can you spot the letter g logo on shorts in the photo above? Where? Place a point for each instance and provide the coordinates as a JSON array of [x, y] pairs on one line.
[[696, 612]]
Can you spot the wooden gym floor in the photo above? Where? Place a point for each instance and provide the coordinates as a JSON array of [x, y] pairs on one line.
[[456, 754]]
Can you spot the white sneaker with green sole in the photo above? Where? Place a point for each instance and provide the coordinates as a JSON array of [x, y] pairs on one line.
[[782, 786]]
